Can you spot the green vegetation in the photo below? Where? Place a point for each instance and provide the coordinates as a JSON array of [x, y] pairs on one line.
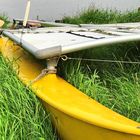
[[96, 16], [22, 115], [5, 18], [116, 86]]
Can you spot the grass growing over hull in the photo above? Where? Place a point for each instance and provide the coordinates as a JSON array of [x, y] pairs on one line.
[[22, 116], [116, 86]]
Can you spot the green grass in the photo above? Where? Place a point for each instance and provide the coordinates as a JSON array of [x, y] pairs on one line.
[[22, 115], [116, 86], [97, 16], [5, 18]]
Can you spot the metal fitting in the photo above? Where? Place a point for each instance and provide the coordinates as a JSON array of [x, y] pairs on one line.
[[52, 64]]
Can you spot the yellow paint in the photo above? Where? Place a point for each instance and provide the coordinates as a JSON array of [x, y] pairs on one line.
[[75, 115]]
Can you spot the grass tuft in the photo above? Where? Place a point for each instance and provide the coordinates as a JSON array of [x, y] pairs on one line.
[[22, 115], [116, 86], [6, 19], [96, 16]]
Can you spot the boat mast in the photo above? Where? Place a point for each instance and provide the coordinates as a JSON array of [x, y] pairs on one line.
[[27, 11]]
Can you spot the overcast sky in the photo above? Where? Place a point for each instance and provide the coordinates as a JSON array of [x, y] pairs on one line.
[[56, 9]]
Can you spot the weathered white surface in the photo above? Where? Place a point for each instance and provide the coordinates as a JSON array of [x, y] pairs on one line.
[[54, 41], [48, 40]]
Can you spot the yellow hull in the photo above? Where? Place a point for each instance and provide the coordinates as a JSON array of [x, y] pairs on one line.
[[75, 115]]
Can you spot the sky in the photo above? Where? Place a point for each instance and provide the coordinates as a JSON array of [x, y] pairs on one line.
[[56, 9]]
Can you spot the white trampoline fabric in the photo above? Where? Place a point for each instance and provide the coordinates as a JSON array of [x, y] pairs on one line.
[[52, 41]]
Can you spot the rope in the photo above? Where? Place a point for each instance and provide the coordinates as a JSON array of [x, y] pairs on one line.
[[65, 58], [41, 75]]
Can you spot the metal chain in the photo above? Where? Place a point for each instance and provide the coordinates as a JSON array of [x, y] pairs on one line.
[[64, 58]]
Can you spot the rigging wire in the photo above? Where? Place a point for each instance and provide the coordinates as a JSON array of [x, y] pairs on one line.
[[65, 58]]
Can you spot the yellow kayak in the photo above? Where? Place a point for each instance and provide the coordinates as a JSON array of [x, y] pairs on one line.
[[74, 115]]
